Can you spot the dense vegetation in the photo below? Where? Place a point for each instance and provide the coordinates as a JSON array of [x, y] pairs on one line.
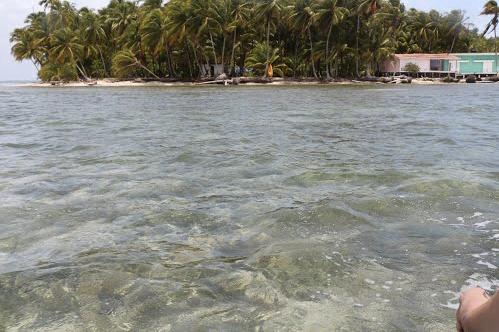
[[176, 39]]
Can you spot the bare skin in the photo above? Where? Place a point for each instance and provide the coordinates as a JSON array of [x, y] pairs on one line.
[[478, 312]]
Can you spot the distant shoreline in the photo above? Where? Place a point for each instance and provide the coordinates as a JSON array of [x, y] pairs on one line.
[[274, 82]]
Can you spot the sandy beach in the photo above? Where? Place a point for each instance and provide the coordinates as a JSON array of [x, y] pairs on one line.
[[277, 81]]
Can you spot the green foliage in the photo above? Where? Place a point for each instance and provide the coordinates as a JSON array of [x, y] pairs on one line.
[[257, 60], [176, 38], [56, 72], [411, 68], [125, 64]]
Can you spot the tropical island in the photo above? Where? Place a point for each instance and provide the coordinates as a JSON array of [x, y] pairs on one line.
[[202, 40]]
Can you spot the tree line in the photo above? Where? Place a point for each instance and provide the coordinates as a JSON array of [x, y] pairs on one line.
[[181, 39]]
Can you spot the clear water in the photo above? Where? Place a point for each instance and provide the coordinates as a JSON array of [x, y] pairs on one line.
[[246, 209]]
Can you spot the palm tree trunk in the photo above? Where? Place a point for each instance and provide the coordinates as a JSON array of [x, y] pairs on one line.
[[223, 54], [196, 59], [453, 43], [188, 58], [495, 45], [327, 51], [213, 48], [268, 47], [232, 57], [452, 48], [207, 63], [82, 72], [34, 64], [103, 62], [357, 47], [312, 53], [147, 69], [171, 70]]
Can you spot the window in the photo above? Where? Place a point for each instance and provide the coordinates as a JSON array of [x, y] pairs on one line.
[[436, 65]]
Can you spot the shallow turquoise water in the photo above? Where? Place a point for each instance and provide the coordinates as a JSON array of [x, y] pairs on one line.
[[246, 209]]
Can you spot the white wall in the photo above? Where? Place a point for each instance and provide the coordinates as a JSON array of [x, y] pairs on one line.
[[423, 64]]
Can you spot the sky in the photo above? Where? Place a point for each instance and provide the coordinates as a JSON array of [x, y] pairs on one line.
[[14, 12]]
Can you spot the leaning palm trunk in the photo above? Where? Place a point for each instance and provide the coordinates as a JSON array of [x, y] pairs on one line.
[[268, 48], [328, 74], [147, 70], [34, 64], [82, 72], [312, 53], [137, 63]]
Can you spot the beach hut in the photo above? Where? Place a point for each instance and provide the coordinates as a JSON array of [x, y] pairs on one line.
[[482, 64], [432, 65]]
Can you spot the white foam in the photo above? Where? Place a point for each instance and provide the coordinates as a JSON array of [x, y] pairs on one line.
[[477, 214], [487, 264], [483, 224], [452, 303], [369, 281], [482, 281]]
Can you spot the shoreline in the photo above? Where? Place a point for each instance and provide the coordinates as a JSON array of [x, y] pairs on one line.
[[275, 82]]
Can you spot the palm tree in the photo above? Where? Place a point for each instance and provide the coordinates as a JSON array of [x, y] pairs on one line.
[[180, 26], [330, 14], [93, 36], [259, 60], [304, 17], [267, 11], [52, 4], [156, 35], [201, 21], [491, 8], [457, 27], [239, 18], [25, 47], [222, 13], [124, 61], [122, 14], [66, 47], [365, 9]]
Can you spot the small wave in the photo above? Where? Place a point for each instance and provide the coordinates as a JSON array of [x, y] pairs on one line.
[[21, 145]]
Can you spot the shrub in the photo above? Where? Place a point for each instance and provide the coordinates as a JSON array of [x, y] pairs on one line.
[[412, 68], [58, 72]]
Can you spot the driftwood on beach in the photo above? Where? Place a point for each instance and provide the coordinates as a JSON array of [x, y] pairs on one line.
[[237, 81]]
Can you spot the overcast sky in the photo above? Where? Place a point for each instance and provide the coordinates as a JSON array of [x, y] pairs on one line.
[[13, 13]]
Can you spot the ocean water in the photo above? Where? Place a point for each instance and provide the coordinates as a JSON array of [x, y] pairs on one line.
[[246, 208]]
